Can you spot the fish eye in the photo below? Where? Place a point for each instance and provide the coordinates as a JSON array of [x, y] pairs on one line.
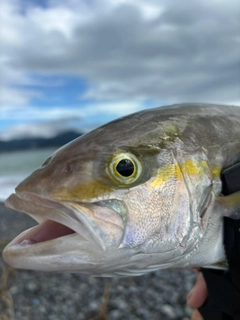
[[124, 168]]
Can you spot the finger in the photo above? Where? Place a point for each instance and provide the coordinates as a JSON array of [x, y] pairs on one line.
[[198, 294], [196, 316]]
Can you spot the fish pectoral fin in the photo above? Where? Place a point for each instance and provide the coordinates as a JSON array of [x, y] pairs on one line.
[[204, 202], [230, 205], [218, 265]]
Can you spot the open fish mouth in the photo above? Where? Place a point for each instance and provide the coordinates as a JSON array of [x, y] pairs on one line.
[[84, 232]]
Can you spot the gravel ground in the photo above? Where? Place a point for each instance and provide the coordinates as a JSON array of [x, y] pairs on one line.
[[31, 295]]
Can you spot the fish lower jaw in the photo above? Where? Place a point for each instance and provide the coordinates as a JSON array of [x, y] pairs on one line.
[[66, 252]]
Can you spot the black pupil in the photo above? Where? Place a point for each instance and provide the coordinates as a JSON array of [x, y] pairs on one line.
[[125, 168]]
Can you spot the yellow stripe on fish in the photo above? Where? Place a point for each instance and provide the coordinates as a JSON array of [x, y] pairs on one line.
[[85, 191], [176, 171]]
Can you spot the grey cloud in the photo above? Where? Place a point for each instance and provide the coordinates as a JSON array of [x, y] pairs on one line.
[[38, 129], [191, 52]]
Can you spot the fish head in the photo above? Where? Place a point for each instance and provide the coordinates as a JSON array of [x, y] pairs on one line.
[[113, 202]]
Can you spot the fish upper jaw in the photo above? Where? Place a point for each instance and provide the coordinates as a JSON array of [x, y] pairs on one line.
[[69, 237]]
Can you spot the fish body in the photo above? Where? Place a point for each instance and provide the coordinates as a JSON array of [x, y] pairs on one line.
[[138, 194]]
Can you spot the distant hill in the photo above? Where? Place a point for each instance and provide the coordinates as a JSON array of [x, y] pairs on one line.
[[38, 143]]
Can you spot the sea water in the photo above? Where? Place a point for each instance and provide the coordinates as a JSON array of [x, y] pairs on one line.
[[16, 166]]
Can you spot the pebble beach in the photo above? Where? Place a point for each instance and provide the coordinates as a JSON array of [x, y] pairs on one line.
[[33, 295]]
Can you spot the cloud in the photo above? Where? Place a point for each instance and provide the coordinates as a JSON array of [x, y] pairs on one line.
[[57, 113], [127, 51], [31, 130], [29, 121], [38, 114]]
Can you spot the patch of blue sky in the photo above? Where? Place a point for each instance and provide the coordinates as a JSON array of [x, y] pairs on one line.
[[24, 5], [58, 98], [53, 90], [6, 123]]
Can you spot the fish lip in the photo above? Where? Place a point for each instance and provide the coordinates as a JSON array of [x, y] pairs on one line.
[[63, 213]]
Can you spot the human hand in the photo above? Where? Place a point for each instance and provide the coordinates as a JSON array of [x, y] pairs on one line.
[[197, 296]]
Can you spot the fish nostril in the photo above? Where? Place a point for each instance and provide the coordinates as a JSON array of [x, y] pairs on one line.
[[46, 162]]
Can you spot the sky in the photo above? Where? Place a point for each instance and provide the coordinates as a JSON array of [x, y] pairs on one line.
[[76, 64]]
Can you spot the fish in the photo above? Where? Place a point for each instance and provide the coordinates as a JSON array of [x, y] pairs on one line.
[[138, 194]]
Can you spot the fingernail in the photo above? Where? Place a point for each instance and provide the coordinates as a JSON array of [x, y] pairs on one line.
[[196, 315]]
